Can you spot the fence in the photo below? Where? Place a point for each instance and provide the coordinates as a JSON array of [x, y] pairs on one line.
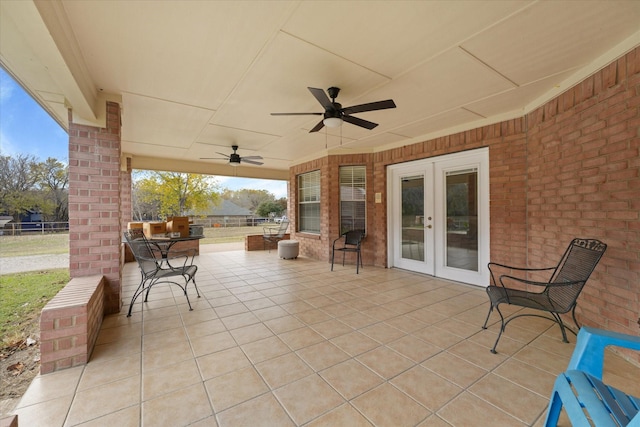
[[18, 228], [229, 222]]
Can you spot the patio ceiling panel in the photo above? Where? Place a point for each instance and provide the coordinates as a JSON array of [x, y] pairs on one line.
[[161, 124], [187, 53], [552, 37]]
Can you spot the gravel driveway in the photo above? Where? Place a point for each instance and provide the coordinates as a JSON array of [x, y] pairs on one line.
[[19, 264]]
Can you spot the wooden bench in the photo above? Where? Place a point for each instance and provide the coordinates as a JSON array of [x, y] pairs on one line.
[[70, 322]]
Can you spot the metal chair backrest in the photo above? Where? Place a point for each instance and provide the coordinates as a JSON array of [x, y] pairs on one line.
[[283, 229], [577, 264], [353, 237], [142, 250]]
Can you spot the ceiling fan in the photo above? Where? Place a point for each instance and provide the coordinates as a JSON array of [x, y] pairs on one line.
[[235, 159], [334, 114]]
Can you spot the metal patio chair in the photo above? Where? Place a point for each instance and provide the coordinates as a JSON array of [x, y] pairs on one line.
[[580, 390], [351, 241], [272, 235], [160, 268], [556, 296]]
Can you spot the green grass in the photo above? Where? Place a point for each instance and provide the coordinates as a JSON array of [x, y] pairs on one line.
[[22, 297], [34, 244]]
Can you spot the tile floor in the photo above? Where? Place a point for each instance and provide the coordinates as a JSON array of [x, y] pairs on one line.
[[287, 342]]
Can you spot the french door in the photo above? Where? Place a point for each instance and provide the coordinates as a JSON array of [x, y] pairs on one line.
[[438, 213]]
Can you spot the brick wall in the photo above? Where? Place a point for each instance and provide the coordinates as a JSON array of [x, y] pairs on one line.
[[568, 169], [70, 322], [94, 203], [584, 181]]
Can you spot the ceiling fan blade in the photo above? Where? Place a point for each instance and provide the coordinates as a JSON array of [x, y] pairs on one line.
[[296, 114], [317, 127], [222, 154], [213, 158], [359, 122], [252, 162], [251, 157], [372, 106], [322, 97]]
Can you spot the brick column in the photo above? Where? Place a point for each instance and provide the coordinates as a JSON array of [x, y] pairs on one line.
[[94, 204]]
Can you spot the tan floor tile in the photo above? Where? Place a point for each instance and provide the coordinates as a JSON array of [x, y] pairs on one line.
[[355, 343], [340, 310], [206, 422], [263, 411], [104, 371], [166, 338], [511, 398], [469, 410], [208, 344], [265, 349], [303, 410], [169, 378], [322, 355], [123, 347], [358, 320], [204, 328], [506, 345], [331, 328], [477, 354], [159, 357], [527, 376], [45, 414], [434, 421], [414, 348], [180, 407], [222, 362], [51, 386], [454, 369], [198, 315], [128, 417], [425, 387], [438, 336], [388, 406], [344, 415], [251, 333], [541, 359], [235, 387], [283, 370], [270, 313], [161, 324], [283, 324], [239, 320], [300, 338], [382, 332], [351, 378], [406, 323], [91, 403], [310, 317], [231, 309], [118, 332], [385, 362]]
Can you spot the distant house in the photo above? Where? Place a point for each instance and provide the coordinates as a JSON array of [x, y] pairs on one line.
[[226, 214]]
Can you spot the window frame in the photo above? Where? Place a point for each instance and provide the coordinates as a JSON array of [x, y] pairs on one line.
[[352, 181], [308, 203]]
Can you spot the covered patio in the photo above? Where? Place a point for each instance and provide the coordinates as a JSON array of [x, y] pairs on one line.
[[278, 342]]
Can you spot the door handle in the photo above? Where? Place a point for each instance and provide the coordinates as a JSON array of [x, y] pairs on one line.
[[428, 226]]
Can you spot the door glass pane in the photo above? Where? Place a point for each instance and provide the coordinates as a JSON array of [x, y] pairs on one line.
[[462, 219], [413, 218]]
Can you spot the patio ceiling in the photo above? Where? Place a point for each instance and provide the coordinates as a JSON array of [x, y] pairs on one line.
[[194, 78]]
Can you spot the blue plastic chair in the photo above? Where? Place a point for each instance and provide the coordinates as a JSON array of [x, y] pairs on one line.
[[586, 399]]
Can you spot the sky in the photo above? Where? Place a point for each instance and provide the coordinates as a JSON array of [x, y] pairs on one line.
[[26, 128]]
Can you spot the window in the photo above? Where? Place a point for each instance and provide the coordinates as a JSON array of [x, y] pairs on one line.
[[353, 192], [309, 202]]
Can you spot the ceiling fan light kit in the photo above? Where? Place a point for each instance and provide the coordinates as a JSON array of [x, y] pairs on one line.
[[334, 114]]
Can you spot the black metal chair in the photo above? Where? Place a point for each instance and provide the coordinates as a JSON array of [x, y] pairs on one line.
[[159, 268], [351, 242], [272, 235], [556, 296]]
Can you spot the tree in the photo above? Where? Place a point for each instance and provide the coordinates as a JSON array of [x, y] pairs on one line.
[[247, 198], [174, 193], [269, 208], [18, 177], [53, 180]]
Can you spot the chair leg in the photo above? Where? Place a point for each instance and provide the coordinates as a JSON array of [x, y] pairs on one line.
[[553, 413], [358, 262], [488, 315], [333, 254], [502, 326]]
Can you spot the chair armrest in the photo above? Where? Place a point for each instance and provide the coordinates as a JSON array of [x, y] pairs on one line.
[[588, 354], [535, 283], [518, 268], [336, 241], [269, 231]]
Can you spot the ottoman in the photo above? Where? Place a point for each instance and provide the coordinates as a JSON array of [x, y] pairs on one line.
[[288, 249]]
